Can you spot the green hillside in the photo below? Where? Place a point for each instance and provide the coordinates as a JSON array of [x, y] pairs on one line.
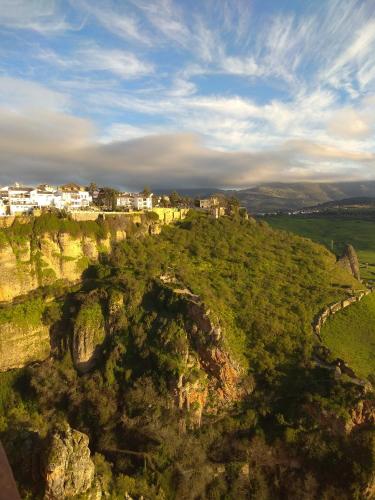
[[350, 335], [339, 230], [186, 358]]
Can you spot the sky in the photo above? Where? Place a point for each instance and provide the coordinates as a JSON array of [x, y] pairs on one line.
[[187, 93]]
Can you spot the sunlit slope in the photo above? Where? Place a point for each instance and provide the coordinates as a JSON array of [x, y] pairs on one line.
[[350, 335], [337, 232]]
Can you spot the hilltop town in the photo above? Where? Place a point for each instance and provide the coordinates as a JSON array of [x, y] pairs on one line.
[[19, 199]]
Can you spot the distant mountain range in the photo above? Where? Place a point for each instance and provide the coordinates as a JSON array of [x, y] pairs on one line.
[[347, 203], [286, 196]]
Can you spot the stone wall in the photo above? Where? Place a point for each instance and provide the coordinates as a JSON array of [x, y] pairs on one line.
[[332, 309], [168, 215]]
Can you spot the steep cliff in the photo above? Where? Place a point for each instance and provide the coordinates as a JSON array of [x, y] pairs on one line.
[[220, 380], [23, 336], [37, 252]]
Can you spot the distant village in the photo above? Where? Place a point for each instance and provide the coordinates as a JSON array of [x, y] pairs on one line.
[[30, 200]]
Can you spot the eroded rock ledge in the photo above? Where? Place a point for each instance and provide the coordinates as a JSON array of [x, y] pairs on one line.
[[219, 381]]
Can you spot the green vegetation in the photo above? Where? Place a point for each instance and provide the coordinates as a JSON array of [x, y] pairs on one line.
[[336, 230], [28, 312], [350, 335], [274, 440]]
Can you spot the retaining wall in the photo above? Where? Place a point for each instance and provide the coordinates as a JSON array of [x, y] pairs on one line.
[[332, 309]]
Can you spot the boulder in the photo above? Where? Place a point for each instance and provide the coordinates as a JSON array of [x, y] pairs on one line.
[[67, 466]]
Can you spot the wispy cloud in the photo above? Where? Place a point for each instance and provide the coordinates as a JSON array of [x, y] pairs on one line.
[[115, 19], [44, 17], [240, 93], [91, 57]]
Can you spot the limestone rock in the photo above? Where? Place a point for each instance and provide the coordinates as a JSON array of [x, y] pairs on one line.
[[364, 413], [88, 336], [210, 373], [67, 466], [21, 345], [349, 260], [214, 359], [16, 273]]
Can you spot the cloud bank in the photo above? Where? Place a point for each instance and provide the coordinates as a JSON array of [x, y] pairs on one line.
[[179, 94]]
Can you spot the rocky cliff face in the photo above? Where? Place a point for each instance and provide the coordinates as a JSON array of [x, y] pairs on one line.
[[88, 335], [51, 257], [27, 262], [67, 466], [211, 378], [23, 344]]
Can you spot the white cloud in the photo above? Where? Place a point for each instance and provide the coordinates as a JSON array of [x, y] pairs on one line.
[[115, 19], [91, 57], [17, 95], [36, 15]]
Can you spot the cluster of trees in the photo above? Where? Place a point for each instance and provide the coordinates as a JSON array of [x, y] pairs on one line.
[[265, 286]]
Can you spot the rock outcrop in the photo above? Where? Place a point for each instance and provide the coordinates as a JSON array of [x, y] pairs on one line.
[[88, 335], [207, 337], [67, 466], [21, 345], [211, 378], [349, 261]]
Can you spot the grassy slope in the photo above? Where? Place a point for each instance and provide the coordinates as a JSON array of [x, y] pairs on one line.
[[265, 285], [350, 335], [360, 233]]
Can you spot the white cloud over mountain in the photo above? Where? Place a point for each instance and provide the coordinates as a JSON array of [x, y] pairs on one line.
[[173, 93]]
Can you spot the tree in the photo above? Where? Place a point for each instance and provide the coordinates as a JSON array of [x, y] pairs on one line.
[[174, 198], [164, 202], [146, 191], [107, 198], [92, 188]]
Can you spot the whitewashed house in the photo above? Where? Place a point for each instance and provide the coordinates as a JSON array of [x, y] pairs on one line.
[[125, 200], [21, 199], [142, 202], [71, 199], [135, 201], [43, 198]]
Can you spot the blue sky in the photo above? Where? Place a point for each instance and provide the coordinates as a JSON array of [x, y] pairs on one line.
[[187, 93]]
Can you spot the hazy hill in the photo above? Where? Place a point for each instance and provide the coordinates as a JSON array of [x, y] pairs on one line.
[[279, 196], [283, 196]]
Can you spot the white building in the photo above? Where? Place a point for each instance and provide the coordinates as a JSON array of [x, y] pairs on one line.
[[43, 198], [72, 199], [21, 199], [125, 200], [135, 201], [142, 202]]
